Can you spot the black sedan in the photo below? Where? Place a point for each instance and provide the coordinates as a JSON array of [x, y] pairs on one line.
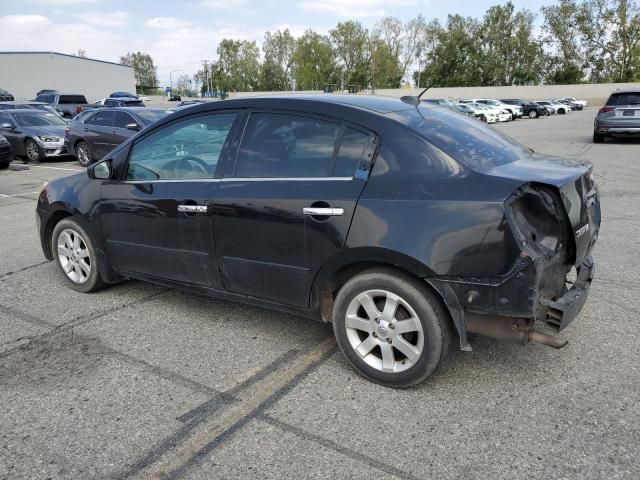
[[407, 226], [33, 134], [529, 109], [95, 134], [6, 155]]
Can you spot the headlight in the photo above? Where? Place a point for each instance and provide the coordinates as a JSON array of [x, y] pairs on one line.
[[48, 139], [3, 141]]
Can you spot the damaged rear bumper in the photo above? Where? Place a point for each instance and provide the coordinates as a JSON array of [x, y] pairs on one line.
[[513, 307]]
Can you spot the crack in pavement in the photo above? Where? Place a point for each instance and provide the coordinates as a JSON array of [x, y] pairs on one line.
[[7, 274]]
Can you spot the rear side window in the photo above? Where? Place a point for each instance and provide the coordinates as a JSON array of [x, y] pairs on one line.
[[352, 152], [627, 98], [101, 119], [45, 98], [286, 146], [72, 99]]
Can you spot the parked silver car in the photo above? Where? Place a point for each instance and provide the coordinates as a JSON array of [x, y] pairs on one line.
[[619, 117]]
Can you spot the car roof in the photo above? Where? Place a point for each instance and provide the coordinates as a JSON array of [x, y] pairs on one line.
[[26, 110], [25, 102], [377, 104], [626, 90]]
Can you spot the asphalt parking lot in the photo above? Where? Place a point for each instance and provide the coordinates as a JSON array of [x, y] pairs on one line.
[[140, 381]]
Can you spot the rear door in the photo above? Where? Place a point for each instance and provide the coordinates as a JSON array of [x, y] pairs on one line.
[[285, 206], [98, 132]]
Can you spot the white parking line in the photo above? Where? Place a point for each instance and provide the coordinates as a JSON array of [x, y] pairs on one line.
[[57, 168], [2, 195]]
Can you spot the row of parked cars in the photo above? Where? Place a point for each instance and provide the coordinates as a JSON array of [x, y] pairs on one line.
[[491, 110]]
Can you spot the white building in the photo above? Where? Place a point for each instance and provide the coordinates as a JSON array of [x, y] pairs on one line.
[[24, 73]]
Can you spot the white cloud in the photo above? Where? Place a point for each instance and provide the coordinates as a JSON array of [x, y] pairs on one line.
[[37, 32], [166, 23], [63, 2], [227, 4], [354, 8], [104, 19]]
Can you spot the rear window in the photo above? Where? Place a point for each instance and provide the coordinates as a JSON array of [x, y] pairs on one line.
[[466, 140], [627, 98], [73, 99]]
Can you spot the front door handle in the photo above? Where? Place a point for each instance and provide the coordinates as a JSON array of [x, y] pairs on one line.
[[323, 212], [192, 208]]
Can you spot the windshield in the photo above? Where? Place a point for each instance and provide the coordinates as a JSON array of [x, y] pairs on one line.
[[149, 116], [38, 119], [628, 98], [466, 140]]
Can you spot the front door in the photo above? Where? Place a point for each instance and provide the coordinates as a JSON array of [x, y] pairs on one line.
[[156, 220], [97, 131], [286, 204]]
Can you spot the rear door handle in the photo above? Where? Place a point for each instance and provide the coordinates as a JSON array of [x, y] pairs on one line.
[[192, 208], [323, 212]]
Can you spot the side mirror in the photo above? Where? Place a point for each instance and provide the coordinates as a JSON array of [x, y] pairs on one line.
[[100, 171], [6, 126], [133, 126]]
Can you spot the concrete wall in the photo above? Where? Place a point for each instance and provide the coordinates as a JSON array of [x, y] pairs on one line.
[[595, 94], [23, 74]]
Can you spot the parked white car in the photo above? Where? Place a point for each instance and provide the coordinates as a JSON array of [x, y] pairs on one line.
[[502, 115], [515, 110], [554, 108], [480, 111], [573, 100]]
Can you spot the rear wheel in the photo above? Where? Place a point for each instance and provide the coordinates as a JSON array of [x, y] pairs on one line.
[[392, 329], [76, 256], [83, 151], [598, 137], [533, 114]]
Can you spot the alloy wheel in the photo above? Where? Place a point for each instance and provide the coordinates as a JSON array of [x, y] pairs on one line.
[[533, 114], [384, 331], [74, 256], [32, 150], [83, 154]]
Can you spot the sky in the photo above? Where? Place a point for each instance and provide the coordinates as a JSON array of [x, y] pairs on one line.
[[180, 34]]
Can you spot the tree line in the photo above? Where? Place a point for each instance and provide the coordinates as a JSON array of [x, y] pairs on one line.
[[579, 41]]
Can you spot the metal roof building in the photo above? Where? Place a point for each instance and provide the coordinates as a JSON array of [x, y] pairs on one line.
[[25, 73]]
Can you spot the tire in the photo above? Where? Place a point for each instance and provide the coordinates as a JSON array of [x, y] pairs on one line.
[[533, 114], [483, 118], [79, 267], [33, 150], [84, 154], [561, 111], [598, 137], [4, 165], [369, 343]]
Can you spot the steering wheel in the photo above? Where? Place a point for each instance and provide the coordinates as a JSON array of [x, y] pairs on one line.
[[187, 164]]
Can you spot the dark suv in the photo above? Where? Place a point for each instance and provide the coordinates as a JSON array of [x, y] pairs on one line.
[[529, 109], [405, 225], [67, 104], [620, 117]]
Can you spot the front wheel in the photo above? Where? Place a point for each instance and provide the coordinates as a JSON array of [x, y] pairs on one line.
[[533, 114], [598, 138], [392, 328], [76, 256], [33, 150]]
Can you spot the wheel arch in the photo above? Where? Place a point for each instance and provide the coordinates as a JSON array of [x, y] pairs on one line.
[[349, 263]]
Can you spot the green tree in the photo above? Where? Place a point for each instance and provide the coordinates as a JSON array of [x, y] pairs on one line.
[[313, 62], [402, 41], [351, 45], [276, 72], [238, 67], [144, 69], [561, 33]]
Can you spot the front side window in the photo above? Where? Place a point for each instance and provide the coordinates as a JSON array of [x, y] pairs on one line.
[[286, 146], [189, 149], [123, 119]]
